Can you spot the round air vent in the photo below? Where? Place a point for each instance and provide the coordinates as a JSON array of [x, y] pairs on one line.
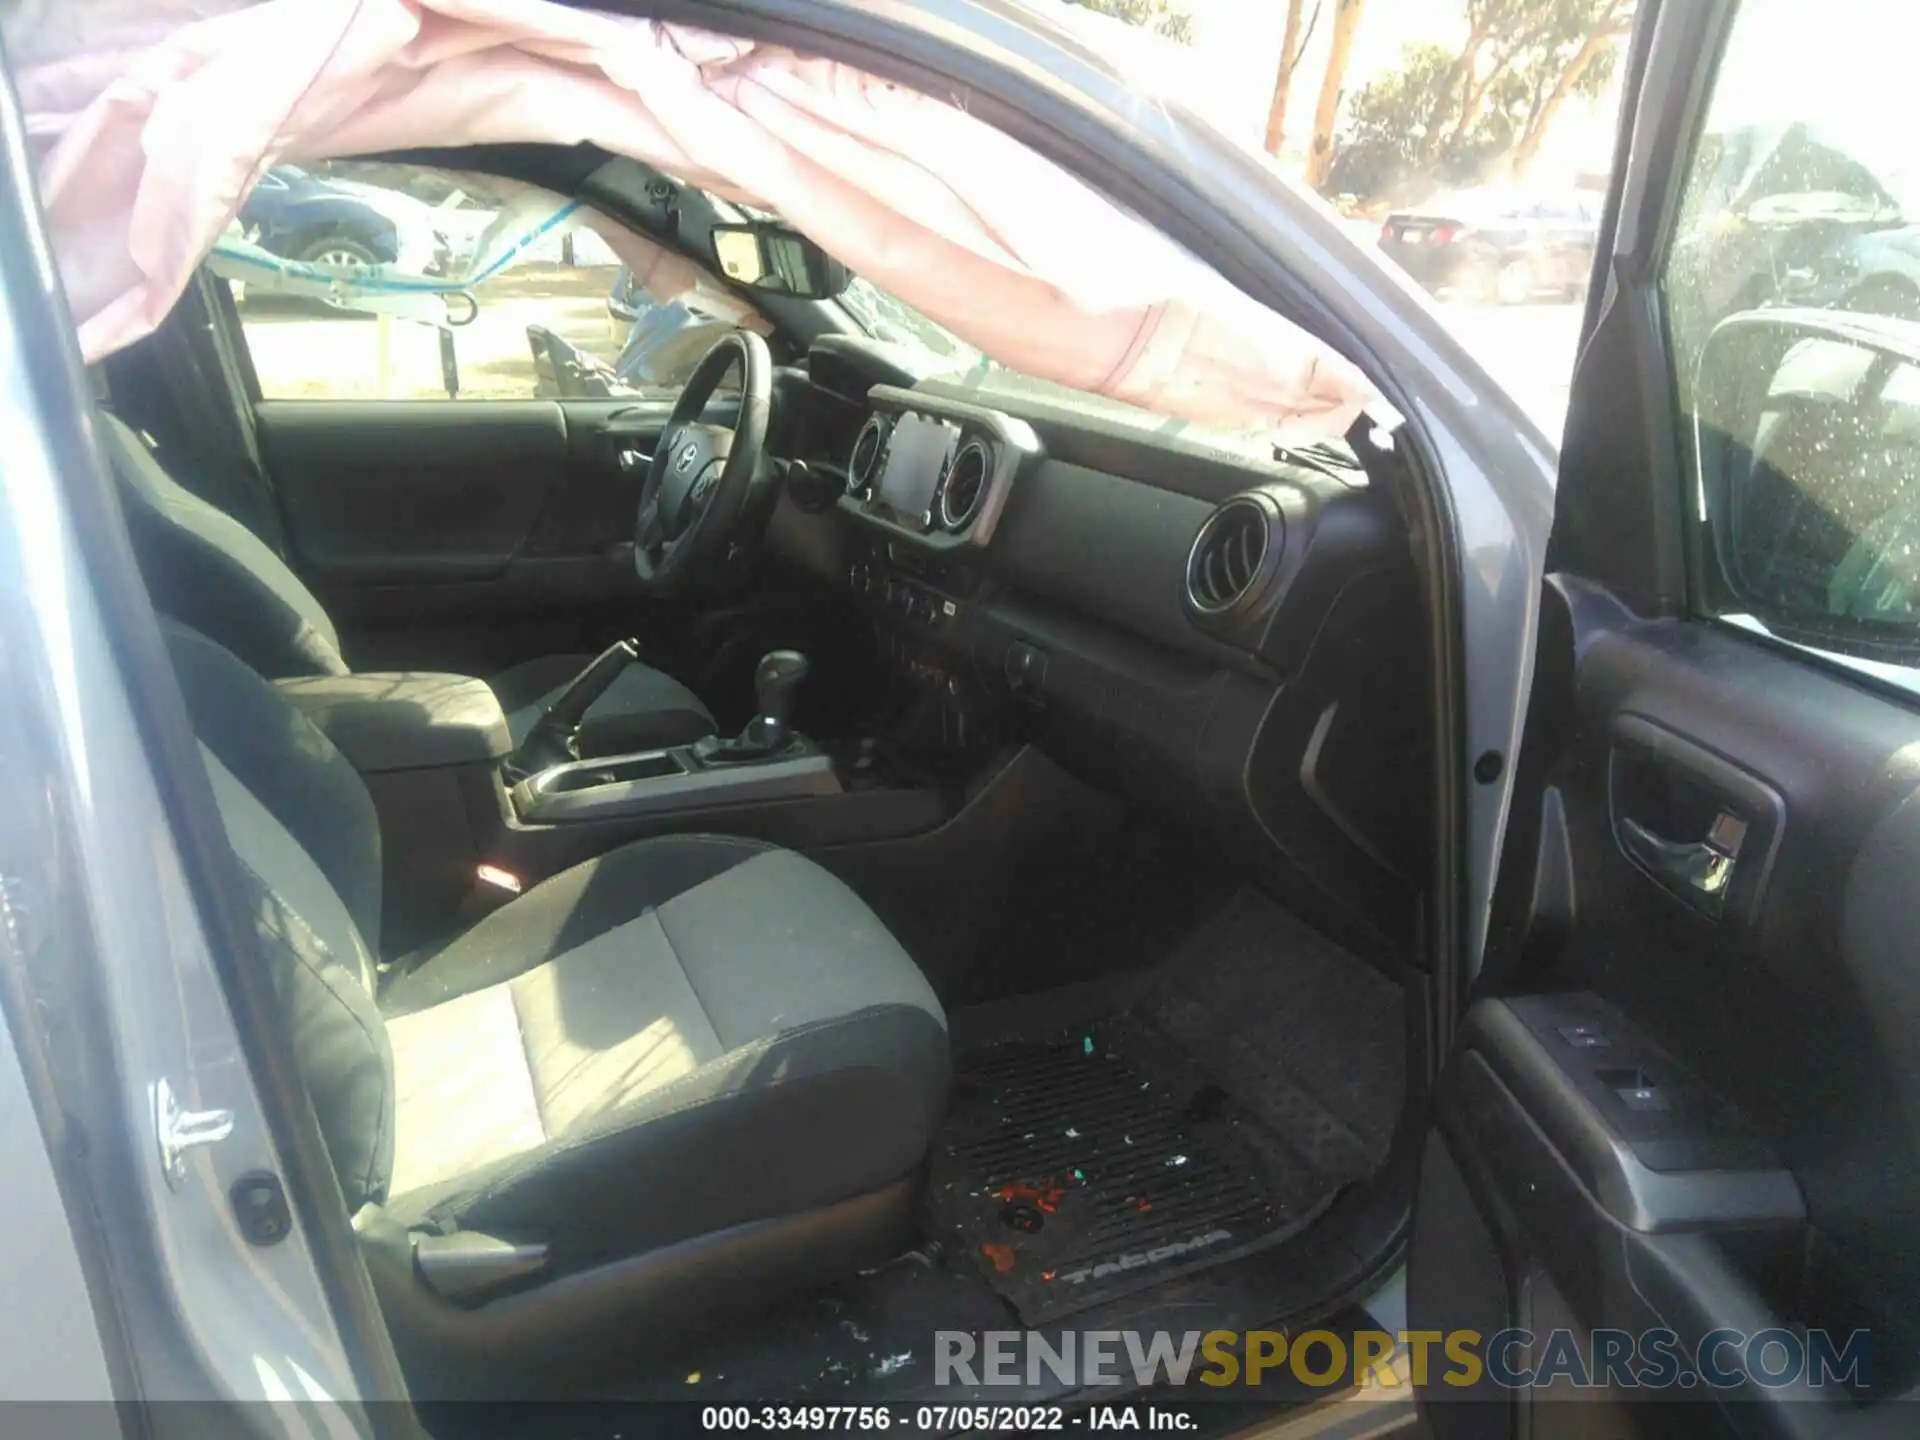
[[966, 485], [863, 466], [1234, 556]]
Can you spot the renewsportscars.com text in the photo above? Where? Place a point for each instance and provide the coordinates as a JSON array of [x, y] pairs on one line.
[[1457, 1359]]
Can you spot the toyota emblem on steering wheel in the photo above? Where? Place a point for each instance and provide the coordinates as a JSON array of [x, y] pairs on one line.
[[687, 457]]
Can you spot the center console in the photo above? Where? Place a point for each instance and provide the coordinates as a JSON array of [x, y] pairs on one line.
[[928, 482], [427, 747], [470, 819], [661, 781], [765, 761], [767, 782]]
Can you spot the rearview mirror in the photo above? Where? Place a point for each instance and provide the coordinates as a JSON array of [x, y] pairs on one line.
[[778, 259], [1807, 438]]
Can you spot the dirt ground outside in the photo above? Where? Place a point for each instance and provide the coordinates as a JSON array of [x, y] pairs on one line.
[[305, 351]]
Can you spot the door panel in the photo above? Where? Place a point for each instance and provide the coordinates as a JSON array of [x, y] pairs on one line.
[[464, 534], [1686, 1096], [396, 490], [1684, 1115]]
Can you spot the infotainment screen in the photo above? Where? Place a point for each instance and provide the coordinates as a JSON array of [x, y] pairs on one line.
[[917, 455]]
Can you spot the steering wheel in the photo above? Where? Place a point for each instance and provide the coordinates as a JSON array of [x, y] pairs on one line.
[[700, 494]]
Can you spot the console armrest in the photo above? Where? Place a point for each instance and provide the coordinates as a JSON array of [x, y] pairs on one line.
[[404, 721]]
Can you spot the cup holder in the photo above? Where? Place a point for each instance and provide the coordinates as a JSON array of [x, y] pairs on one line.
[[657, 765]]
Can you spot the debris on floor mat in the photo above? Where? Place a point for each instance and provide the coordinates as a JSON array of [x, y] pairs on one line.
[[1070, 1175], [869, 1338], [1188, 1130]]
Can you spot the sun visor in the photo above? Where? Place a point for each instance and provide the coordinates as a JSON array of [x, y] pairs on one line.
[[151, 123]]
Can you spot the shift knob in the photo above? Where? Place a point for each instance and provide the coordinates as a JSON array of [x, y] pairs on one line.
[[775, 678]]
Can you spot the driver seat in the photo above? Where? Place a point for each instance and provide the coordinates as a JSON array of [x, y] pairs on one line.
[[210, 572], [679, 1081]]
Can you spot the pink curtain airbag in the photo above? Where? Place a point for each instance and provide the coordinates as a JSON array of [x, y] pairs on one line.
[[149, 148]]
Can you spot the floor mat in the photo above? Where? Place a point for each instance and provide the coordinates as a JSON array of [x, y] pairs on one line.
[[1309, 1038], [1191, 1127]]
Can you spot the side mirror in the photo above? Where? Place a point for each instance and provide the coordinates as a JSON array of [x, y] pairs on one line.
[[1807, 438], [777, 259]]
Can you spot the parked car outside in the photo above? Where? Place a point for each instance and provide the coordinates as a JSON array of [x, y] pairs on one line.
[[1508, 247], [323, 221], [1785, 216]]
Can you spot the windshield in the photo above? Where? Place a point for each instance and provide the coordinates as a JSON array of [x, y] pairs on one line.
[[893, 322]]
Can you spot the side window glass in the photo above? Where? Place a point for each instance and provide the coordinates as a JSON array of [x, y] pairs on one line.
[[1791, 293], [562, 318]]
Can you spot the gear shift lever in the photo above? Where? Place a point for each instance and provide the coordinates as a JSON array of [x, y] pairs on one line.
[[775, 680]]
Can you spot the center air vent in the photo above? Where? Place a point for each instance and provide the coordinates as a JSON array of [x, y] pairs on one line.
[[1234, 556], [863, 466], [966, 486]]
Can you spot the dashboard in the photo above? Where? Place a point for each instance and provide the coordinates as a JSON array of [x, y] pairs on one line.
[[1236, 646], [939, 471]]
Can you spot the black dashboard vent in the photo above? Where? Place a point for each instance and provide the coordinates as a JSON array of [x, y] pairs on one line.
[[863, 466], [1233, 556], [966, 486]]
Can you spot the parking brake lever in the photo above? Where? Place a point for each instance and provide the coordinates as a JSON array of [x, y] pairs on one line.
[[553, 740]]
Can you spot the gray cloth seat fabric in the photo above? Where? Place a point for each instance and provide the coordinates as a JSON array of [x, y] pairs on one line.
[[684, 1035], [208, 571]]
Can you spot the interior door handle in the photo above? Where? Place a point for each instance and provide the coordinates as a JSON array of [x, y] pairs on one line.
[[1654, 773], [1699, 873]]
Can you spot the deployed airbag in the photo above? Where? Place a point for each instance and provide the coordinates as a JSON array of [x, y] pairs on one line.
[[153, 124]]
